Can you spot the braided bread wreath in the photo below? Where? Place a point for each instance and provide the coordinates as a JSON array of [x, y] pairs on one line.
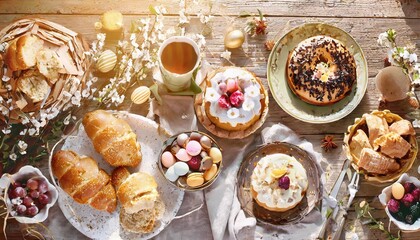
[[321, 70]]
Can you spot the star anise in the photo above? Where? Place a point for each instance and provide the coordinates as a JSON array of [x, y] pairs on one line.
[[269, 44], [328, 143]]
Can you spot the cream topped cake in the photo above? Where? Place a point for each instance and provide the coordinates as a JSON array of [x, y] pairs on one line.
[[278, 182], [234, 98]]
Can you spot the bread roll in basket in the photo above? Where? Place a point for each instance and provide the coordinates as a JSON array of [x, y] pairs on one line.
[[59, 69], [382, 142]]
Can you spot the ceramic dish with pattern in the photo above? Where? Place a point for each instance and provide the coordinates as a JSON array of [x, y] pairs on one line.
[[309, 201], [101, 224], [293, 105]]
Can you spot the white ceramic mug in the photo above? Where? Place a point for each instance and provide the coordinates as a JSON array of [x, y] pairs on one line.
[[173, 81]]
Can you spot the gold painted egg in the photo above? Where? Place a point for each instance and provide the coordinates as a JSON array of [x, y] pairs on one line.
[[106, 61], [140, 95], [234, 39]]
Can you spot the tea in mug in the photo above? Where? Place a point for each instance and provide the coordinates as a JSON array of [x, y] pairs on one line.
[[179, 57]]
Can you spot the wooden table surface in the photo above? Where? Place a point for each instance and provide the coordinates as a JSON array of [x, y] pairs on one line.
[[363, 19]]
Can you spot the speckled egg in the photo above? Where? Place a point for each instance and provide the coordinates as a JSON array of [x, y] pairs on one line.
[[168, 159], [193, 148], [205, 142], [171, 175], [182, 139], [181, 168], [182, 155], [215, 154]]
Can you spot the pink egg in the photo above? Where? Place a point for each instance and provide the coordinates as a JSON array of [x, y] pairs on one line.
[[193, 148], [182, 155], [168, 159]]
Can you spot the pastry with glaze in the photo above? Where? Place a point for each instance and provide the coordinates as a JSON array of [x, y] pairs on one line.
[[234, 98], [321, 70], [278, 182]]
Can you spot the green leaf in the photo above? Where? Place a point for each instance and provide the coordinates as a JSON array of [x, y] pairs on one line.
[[155, 90], [260, 13], [328, 213], [152, 10]]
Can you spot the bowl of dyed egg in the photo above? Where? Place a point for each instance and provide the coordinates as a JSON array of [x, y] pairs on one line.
[[190, 161]]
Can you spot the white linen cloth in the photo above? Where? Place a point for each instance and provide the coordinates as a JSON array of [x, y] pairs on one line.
[[241, 227], [227, 220]]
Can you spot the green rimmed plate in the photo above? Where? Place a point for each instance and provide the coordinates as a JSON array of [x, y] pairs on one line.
[[288, 101]]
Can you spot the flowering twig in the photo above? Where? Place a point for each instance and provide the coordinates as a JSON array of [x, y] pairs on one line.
[[403, 57], [363, 211]]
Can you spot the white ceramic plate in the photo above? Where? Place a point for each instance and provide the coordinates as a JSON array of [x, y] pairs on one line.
[[100, 224], [288, 101]]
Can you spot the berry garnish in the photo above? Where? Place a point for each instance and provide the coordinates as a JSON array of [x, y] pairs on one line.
[[236, 98], [284, 182], [224, 102]]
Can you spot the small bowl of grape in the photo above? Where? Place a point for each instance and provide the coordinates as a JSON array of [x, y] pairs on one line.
[[402, 202], [28, 194]]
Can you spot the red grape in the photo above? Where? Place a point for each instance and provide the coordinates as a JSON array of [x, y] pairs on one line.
[[32, 210], [34, 194], [42, 187], [32, 184], [16, 184], [28, 201], [43, 199], [20, 192], [21, 209], [12, 193]]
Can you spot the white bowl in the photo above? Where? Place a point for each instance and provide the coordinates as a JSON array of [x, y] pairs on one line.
[[385, 196], [27, 172]]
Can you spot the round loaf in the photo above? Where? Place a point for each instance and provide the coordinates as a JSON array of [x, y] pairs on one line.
[[321, 70]]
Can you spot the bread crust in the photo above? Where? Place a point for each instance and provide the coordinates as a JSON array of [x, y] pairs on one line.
[[21, 54], [81, 178], [118, 176], [113, 138]]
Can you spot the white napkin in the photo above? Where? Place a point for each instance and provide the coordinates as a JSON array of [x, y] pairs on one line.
[[241, 227]]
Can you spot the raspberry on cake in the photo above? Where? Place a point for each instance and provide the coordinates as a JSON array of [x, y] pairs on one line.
[[321, 70], [278, 182], [234, 98]]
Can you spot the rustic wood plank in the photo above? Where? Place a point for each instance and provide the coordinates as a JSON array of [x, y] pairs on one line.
[[254, 56], [363, 19], [317, 8]]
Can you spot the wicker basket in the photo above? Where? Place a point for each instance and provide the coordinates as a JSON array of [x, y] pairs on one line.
[[70, 48], [406, 162]]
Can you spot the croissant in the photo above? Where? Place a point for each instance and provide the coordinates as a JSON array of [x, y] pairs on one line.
[[140, 200], [84, 181], [113, 138]]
